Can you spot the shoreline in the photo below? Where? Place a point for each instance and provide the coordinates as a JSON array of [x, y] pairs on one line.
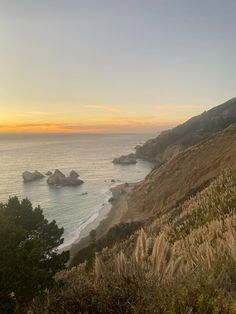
[[111, 214], [88, 226]]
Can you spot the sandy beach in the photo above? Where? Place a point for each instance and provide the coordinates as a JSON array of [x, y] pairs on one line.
[[110, 215]]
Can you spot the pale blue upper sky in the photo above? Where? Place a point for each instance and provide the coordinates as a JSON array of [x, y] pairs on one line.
[[102, 62]]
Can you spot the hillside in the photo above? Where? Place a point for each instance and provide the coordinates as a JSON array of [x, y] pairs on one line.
[[181, 262], [198, 128], [183, 175]]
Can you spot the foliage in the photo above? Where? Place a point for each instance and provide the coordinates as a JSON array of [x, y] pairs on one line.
[[216, 201], [29, 257]]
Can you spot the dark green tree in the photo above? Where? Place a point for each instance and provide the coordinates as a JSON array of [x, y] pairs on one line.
[[29, 258]]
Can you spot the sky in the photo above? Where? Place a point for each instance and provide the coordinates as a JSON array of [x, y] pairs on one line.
[[113, 65]]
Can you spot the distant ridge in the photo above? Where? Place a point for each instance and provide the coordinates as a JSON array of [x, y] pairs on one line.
[[193, 131]]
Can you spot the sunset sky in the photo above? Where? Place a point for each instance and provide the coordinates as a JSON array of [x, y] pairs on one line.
[[113, 65]]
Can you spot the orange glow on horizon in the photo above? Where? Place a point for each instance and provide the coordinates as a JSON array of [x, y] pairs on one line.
[[41, 123], [106, 128]]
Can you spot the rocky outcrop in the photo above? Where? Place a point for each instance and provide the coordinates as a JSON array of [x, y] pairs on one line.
[[59, 179], [32, 176], [125, 160]]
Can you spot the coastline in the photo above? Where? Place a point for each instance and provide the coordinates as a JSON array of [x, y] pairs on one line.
[[109, 215]]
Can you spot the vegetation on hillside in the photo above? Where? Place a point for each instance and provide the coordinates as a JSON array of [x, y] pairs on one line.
[[29, 258], [182, 263], [114, 235]]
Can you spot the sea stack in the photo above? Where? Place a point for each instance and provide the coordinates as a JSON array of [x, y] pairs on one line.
[[32, 176], [59, 179], [74, 174], [125, 160]]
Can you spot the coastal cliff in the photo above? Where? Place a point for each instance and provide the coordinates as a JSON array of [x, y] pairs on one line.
[[169, 143], [183, 175]]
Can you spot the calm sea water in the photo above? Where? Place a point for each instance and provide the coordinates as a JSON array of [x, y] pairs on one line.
[[90, 155]]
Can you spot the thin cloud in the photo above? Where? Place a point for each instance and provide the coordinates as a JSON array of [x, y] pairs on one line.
[[40, 113], [34, 114], [181, 106], [104, 108]]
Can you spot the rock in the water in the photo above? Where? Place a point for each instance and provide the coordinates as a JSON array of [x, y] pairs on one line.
[[125, 160], [49, 173], [113, 180], [74, 174], [32, 176], [71, 181], [58, 178]]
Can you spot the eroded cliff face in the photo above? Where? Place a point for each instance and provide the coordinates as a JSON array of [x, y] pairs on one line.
[[169, 143], [183, 175]]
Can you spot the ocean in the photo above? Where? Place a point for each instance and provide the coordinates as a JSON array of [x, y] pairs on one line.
[[90, 155]]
